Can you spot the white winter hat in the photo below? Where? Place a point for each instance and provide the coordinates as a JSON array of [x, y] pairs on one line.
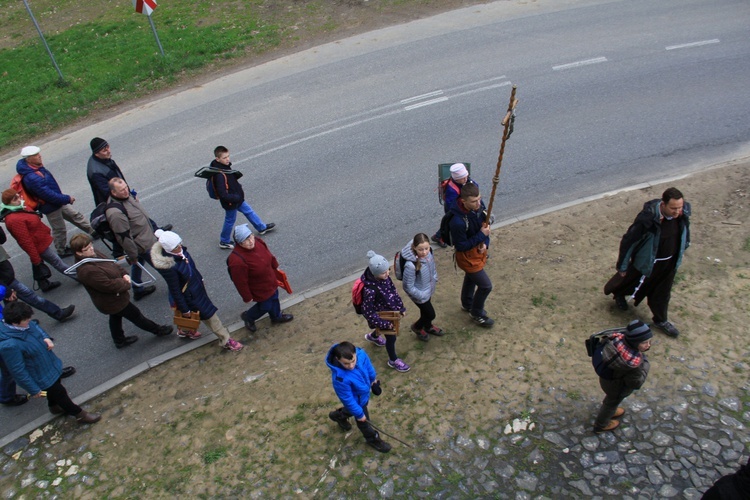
[[30, 151], [168, 239]]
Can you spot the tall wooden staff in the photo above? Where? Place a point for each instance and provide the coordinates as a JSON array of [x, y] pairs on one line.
[[507, 130]]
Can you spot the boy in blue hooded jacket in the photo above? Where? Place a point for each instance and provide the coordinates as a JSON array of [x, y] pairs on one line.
[[353, 376]]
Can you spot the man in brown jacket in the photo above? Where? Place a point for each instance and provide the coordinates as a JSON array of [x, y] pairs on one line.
[[109, 287]]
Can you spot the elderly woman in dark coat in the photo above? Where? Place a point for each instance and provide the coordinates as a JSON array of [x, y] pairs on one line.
[[109, 286], [26, 352], [185, 284]]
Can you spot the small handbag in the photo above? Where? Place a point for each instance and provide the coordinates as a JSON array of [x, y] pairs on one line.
[[192, 323], [40, 271]]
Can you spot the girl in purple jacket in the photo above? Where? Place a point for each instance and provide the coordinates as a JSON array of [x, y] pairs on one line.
[[380, 294]]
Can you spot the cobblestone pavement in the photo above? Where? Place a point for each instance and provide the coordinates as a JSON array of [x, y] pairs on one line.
[[664, 449]]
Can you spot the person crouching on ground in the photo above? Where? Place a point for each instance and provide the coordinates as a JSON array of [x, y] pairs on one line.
[[252, 268], [108, 285], [26, 351], [420, 277], [185, 284], [379, 294], [353, 377], [624, 369]]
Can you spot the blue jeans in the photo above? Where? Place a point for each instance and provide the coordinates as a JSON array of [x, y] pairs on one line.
[[475, 290], [231, 216], [27, 295], [270, 306]]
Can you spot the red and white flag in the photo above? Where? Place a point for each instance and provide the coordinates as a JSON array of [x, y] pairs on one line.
[[144, 6]]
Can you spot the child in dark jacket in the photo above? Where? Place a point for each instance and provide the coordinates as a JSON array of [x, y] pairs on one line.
[[379, 294], [353, 377]]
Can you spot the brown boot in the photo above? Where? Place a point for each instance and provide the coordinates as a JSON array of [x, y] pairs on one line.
[[612, 425], [88, 418], [619, 413]]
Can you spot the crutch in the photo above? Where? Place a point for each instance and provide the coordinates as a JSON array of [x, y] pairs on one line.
[[71, 271]]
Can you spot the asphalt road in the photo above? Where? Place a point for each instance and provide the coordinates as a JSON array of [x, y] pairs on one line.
[[340, 143]]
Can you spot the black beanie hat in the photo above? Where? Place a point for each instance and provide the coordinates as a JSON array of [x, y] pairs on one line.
[[97, 144], [637, 332]]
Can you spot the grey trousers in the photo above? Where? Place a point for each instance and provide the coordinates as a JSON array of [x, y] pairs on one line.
[[57, 220]]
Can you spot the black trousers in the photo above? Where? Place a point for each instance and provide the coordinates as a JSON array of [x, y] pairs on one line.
[[426, 315], [656, 289], [365, 428], [135, 316], [57, 395]]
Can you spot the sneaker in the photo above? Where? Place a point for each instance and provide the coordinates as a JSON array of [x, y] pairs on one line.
[[269, 227], [421, 334], [668, 328], [164, 330], [378, 341], [433, 330], [141, 292], [226, 246], [399, 365], [380, 445], [249, 324], [612, 425], [483, 320], [621, 303], [337, 417], [130, 339], [66, 313], [619, 412], [284, 318], [233, 345], [188, 334], [438, 240]]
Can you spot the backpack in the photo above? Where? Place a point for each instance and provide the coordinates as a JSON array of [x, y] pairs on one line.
[[399, 265], [445, 228], [30, 201], [212, 189], [99, 222], [357, 290], [594, 347]]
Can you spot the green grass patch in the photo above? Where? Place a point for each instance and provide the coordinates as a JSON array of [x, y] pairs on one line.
[[214, 454]]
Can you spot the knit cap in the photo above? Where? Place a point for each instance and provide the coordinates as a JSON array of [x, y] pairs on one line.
[[241, 233], [637, 332], [458, 171], [169, 240], [30, 151], [378, 264], [97, 144]]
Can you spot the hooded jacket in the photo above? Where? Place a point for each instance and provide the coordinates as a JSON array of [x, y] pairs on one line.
[[109, 292], [227, 187], [181, 274], [252, 271], [419, 286], [43, 186], [379, 295], [32, 235], [132, 228], [631, 373], [32, 365], [352, 386], [640, 243]]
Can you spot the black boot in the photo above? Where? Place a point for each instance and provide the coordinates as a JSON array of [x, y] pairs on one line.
[[340, 419], [379, 445], [47, 285]]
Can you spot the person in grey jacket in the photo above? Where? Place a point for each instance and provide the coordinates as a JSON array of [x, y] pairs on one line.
[[420, 278]]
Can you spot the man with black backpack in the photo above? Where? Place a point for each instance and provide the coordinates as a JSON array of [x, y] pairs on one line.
[[225, 186], [620, 361]]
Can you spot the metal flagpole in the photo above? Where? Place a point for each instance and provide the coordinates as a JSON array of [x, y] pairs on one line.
[[41, 35], [153, 28]]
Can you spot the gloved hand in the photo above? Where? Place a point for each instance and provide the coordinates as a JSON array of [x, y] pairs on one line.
[[376, 388]]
